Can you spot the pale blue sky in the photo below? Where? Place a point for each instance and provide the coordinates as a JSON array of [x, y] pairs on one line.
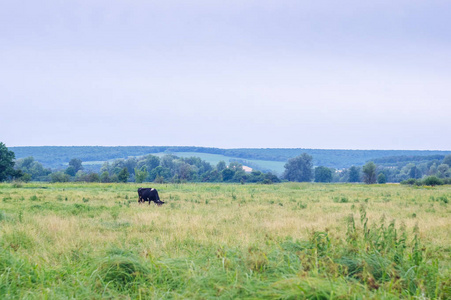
[[304, 74]]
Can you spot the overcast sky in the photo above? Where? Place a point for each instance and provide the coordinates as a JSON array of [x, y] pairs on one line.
[[305, 74]]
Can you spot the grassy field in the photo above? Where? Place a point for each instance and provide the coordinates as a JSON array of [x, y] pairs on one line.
[[285, 241]]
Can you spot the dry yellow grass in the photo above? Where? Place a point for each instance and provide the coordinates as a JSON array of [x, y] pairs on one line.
[[233, 214]]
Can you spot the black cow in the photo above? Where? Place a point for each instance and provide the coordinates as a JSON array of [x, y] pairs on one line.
[[149, 194]]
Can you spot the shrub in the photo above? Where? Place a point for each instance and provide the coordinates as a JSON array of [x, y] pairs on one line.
[[26, 177], [381, 179], [17, 184], [93, 177], [410, 181], [432, 180], [59, 177]]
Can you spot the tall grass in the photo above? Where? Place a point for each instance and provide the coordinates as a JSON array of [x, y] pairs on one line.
[[287, 241]]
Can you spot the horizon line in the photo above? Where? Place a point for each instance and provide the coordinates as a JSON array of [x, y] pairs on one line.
[[210, 147]]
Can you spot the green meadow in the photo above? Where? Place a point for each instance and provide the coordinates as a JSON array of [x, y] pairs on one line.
[[209, 241]]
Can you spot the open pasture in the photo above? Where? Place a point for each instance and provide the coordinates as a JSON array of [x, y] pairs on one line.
[[291, 240]]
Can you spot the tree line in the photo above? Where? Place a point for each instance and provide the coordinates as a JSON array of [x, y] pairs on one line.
[[427, 172], [148, 168], [58, 156], [170, 168]]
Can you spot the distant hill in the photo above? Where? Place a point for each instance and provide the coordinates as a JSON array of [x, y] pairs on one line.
[[57, 157], [402, 160]]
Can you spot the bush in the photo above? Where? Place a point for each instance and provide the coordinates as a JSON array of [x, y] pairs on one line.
[[410, 181], [17, 184], [381, 179], [432, 180], [25, 177], [59, 177]]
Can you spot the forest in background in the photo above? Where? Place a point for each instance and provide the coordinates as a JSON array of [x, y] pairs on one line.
[[167, 167], [57, 157]]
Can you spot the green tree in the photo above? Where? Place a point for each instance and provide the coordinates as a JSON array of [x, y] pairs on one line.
[[432, 180], [270, 178], [71, 171], [29, 166], [240, 176], [299, 168], [130, 164], [227, 174], [354, 174], [158, 172], [123, 175], [381, 179], [255, 176], [167, 161], [159, 179], [447, 160], [114, 178], [93, 177], [6, 163], [149, 161], [105, 177], [221, 166], [76, 164], [117, 166], [141, 175], [106, 168], [323, 174], [80, 176], [443, 171], [433, 169], [59, 177], [369, 173], [236, 166], [183, 170], [25, 177], [414, 172], [211, 176]]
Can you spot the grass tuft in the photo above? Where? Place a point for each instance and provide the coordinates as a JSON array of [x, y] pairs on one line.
[[121, 270]]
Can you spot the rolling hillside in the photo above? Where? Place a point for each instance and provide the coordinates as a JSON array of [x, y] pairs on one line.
[[272, 159]]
